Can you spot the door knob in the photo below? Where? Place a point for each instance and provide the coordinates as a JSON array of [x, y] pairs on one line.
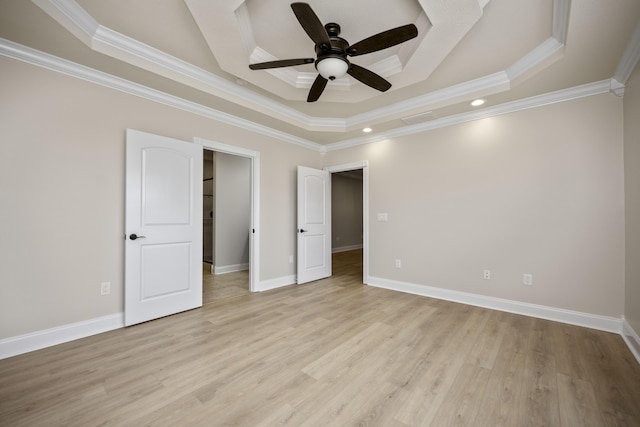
[[303, 231], [134, 236]]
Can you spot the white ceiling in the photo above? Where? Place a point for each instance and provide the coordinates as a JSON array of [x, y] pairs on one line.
[[513, 53], [238, 33]]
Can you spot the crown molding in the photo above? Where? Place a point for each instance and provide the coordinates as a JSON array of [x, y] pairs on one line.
[[591, 89], [73, 17], [132, 51], [387, 67], [630, 58], [616, 88], [104, 40], [560, 25], [246, 29], [463, 91], [538, 57], [31, 56], [483, 86]]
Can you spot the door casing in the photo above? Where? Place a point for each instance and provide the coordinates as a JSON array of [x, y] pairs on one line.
[[364, 165], [254, 240]]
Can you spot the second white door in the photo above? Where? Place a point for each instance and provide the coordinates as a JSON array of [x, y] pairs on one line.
[[314, 224]]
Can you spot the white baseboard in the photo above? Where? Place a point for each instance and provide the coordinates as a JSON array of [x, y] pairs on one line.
[[49, 337], [594, 321], [37, 340], [230, 268], [631, 338], [346, 248], [279, 282]]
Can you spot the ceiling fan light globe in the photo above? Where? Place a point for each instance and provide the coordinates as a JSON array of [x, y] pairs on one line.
[[332, 68]]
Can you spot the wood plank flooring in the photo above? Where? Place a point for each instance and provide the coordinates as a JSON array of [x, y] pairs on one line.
[[223, 286], [329, 353]]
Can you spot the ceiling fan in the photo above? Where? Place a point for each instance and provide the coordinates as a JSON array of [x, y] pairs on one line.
[[332, 51]]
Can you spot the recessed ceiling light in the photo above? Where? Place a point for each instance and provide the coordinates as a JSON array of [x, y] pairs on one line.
[[367, 130], [477, 102]]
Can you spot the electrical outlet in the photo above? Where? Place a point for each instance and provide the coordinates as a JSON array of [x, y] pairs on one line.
[[290, 259], [105, 288], [527, 279], [398, 263], [487, 275]]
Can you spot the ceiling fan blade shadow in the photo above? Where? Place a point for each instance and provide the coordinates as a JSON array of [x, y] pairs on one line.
[[369, 78], [317, 88], [281, 63], [383, 40], [311, 24]]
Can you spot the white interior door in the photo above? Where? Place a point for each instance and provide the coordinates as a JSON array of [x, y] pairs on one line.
[[163, 222], [314, 224]]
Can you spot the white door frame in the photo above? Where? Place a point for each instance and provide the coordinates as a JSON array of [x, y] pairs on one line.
[[364, 165], [254, 240]]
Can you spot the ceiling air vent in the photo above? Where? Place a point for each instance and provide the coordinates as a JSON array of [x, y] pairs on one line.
[[419, 118]]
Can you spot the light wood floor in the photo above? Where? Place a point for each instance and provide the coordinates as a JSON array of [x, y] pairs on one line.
[[329, 353], [223, 286]]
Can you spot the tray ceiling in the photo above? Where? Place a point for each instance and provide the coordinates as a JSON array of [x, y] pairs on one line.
[[199, 51]]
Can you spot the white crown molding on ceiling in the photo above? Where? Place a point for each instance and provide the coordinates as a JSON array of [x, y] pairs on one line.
[[560, 24], [590, 89], [628, 62], [31, 56], [35, 57], [73, 17], [104, 40]]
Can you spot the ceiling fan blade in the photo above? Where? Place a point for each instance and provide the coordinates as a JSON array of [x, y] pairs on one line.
[[317, 88], [383, 40], [369, 78], [311, 24], [281, 63]]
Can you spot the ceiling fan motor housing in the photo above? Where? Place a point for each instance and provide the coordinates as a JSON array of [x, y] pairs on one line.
[[337, 50]]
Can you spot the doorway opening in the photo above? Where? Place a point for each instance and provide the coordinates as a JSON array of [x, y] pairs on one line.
[[347, 224], [226, 225], [349, 220], [230, 217]]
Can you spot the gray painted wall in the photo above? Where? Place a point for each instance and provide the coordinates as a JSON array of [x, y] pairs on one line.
[[63, 193], [540, 191], [346, 210], [232, 212]]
